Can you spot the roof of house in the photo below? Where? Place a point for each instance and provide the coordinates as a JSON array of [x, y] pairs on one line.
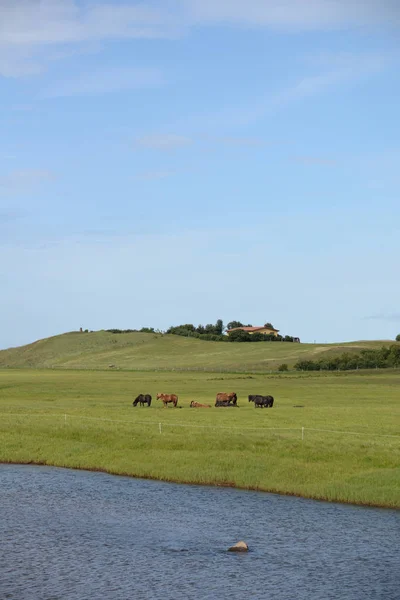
[[253, 329]]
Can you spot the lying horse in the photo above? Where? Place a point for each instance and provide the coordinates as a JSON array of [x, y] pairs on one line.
[[262, 401], [228, 398], [194, 404], [167, 398], [142, 399], [225, 403]]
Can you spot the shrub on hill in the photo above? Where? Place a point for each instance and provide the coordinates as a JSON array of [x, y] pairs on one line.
[[121, 330], [398, 338], [210, 332], [382, 358]]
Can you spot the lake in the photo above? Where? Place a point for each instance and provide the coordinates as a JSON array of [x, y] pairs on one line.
[[69, 535]]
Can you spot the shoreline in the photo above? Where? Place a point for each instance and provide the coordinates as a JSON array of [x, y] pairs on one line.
[[221, 484]]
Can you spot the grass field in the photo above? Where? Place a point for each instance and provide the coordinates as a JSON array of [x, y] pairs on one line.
[[84, 419], [139, 351]]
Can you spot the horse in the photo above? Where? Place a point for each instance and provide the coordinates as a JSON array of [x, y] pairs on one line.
[[167, 398], [231, 397], [261, 401], [142, 399], [194, 404], [225, 403]]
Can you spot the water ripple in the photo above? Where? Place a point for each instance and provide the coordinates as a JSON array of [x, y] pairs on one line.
[[74, 535]]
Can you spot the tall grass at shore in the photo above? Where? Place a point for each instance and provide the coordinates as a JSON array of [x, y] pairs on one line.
[[350, 449]]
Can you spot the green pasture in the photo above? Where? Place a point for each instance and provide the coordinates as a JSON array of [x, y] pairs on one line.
[[146, 351], [85, 419]]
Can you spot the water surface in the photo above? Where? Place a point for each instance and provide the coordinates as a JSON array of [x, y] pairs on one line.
[[68, 535]]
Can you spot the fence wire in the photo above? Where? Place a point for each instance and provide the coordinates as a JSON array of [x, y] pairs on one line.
[[162, 424]]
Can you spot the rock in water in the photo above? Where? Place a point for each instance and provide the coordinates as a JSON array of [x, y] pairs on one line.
[[239, 547]]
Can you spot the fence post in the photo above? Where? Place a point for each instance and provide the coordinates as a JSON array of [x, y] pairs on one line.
[[302, 433], [159, 427]]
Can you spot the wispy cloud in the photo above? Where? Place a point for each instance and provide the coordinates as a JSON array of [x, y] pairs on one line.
[[237, 141], [8, 216], [28, 28], [31, 22], [384, 317], [161, 141], [21, 180], [322, 73], [154, 175], [294, 14], [315, 160], [333, 70], [35, 32], [105, 81]]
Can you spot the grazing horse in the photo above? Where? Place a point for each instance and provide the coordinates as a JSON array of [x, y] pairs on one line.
[[228, 398], [142, 399], [194, 404], [262, 401], [167, 398]]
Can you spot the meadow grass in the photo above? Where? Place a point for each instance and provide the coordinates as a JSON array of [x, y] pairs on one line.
[[139, 351], [85, 419]]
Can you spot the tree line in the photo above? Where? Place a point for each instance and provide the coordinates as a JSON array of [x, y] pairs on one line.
[[382, 358], [215, 333]]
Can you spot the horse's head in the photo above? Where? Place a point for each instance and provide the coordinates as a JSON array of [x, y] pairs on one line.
[[159, 396], [191, 404]]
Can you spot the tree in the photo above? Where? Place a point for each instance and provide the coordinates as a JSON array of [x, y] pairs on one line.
[[269, 326], [398, 338], [219, 326], [283, 367], [258, 337], [234, 324], [239, 336]]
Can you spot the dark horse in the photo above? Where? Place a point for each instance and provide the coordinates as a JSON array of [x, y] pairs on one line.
[[167, 398], [224, 399], [262, 401], [142, 399]]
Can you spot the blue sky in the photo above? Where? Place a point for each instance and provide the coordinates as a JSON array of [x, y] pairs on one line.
[[174, 161]]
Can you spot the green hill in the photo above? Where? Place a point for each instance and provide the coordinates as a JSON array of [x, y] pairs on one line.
[[142, 351]]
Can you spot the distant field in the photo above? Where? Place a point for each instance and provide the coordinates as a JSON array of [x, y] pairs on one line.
[[84, 419], [139, 351]]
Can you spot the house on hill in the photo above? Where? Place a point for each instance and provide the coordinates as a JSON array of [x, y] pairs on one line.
[[263, 329]]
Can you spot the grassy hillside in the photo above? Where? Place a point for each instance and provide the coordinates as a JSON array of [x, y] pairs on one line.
[[143, 351]]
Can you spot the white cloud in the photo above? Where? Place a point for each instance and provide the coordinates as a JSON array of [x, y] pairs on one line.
[[294, 14], [30, 28], [163, 141], [105, 81], [32, 22]]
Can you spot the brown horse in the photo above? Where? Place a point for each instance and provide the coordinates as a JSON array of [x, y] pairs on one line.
[[167, 398], [194, 404], [228, 398]]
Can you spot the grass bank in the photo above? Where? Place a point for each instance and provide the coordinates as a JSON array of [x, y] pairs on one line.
[[138, 351], [84, 419]]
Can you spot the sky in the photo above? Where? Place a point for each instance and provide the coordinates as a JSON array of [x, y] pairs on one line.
[[181, 161]]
